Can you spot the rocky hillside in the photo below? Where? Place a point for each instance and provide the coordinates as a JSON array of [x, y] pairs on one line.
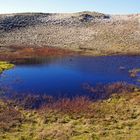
[[87, 31]]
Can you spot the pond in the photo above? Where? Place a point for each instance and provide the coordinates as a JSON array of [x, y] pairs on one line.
[[65, 76]]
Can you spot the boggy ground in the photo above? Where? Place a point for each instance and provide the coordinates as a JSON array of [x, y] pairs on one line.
[[20, 53], [114, 118], [16, 53], [93, 32]]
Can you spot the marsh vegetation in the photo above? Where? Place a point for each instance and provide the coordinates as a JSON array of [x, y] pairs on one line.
[[107, 110], [80, 118]]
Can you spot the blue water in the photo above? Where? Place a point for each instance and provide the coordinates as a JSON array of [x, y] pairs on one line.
[[64, 76]]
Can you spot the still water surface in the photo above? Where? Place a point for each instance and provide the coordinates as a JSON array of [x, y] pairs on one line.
[[64, 76]]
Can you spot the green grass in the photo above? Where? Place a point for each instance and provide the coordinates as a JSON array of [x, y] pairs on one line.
[[116, 118], [5, 66]]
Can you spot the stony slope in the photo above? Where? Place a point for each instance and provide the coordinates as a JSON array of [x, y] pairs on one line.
[[87, 31]]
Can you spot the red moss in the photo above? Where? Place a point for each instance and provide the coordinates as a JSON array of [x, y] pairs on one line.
[[9, 117], [104, 91], [22, 52], [75, 106]]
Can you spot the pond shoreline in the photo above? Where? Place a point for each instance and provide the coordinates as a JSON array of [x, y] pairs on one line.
[[11, 53], [116, 116], [76, 119]]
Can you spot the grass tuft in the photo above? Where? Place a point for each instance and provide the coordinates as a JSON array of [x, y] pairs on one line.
[[5, 66]]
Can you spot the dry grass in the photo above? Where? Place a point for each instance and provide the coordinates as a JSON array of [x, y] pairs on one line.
[[9, 117], [75, 106], [16, 53], [105, 91], [78, 119]]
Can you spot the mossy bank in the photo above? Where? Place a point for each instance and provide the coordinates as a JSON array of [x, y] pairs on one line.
[[5, 66]]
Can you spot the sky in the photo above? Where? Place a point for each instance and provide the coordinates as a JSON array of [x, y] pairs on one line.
[[66, 6]]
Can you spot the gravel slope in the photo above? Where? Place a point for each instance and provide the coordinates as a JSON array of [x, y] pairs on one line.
[[92, 32]]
